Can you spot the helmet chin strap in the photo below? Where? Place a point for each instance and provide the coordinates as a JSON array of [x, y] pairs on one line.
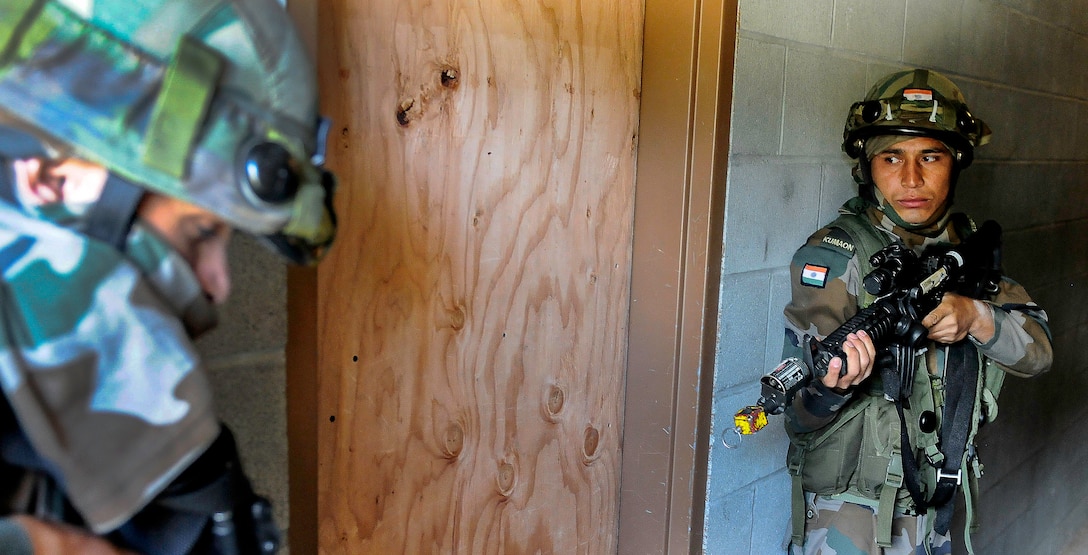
[[934, 223], [110, 218], [199, 316]]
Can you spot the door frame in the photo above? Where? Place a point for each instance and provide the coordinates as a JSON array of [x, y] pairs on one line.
[[687, 86]]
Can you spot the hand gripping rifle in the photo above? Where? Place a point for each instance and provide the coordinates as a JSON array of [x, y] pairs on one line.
[[907, 287]]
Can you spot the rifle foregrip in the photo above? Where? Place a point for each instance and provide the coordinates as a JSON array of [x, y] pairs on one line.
[[876, 320]]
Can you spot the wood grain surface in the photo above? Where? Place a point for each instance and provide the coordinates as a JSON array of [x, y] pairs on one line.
[[472, 317]]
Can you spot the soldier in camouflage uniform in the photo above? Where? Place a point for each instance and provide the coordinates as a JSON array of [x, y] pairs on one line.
[[912, 135], [135, 135]]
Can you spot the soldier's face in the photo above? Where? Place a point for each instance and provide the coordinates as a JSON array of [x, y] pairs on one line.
[[915, 177], [200, 236]]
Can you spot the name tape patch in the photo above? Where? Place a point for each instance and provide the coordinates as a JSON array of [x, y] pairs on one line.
[[838, 243]]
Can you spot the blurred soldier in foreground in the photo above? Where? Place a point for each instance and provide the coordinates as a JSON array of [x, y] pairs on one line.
[[135, 136]]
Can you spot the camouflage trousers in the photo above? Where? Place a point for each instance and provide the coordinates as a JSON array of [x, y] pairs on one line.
[[835, 527]]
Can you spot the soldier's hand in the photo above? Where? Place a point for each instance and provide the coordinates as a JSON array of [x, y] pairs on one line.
[[860, 355], [956, 317], [50, 538]]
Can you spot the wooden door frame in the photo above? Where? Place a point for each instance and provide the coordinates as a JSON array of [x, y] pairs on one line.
[[687, 85], [301, 359]]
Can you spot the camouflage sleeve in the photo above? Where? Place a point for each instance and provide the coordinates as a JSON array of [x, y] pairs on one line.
[[14, 539], [1022, 342], [824, 281]]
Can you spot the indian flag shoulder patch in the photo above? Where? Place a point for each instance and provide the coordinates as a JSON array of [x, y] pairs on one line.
[[813, 275]]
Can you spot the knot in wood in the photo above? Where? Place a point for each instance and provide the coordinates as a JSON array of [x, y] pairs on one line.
[[454, 442], [590, 444], [507, 478]]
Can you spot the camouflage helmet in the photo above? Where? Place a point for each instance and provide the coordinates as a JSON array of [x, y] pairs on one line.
[[212, 102], [918, 103]]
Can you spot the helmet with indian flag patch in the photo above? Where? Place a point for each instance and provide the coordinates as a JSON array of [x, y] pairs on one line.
[[915, 103]]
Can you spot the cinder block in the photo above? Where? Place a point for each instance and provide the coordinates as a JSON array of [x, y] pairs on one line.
[[877, 70], [1081, 93], [1029, 126], [756, 456], [1032, 256], [757, 97], [807, 21], [773, 208], [742, 326], [1063, 142], [933, 33], [250, 399], [729, 523], [1029, 50], [776, 321], [874, 27], [820, 87], [772, 527], [983, 42], [254, 318], [838, 187], [996, 190], [997, 107]]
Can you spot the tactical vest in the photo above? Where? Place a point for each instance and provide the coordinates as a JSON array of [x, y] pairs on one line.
[[857, 457]]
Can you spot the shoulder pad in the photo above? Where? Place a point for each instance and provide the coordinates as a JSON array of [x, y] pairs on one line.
[[824, 257]]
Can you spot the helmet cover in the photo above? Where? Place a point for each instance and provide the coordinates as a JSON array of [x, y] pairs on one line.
[[915, 103], [212, 102]]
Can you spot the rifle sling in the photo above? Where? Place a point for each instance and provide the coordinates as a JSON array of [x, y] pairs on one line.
[[961, 377]]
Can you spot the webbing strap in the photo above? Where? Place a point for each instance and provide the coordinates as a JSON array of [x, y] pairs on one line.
[[886, 505], [961, 380], [14, 15], [186, 94], [971, 524], [799, 511], [959, 409], [110, 218]]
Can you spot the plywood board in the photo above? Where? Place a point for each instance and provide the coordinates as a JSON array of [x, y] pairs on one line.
[[472, 318]]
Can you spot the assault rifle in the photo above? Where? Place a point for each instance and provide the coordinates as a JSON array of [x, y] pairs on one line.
[[907, 287]]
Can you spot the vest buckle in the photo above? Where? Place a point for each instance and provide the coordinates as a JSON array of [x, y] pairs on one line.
[[957, 475]]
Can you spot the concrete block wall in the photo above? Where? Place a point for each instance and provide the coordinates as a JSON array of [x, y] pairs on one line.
[[244, 357], [799, 66]]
